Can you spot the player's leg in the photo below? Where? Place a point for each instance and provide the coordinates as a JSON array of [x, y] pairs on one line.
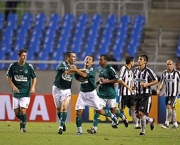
[[131, 104], [16, 107], [112, 105], [174, 118], [97, 103], [168, 113], [24, 103], [79, 121], [79, 107], [148, 103], [56, 93], [63, 110]]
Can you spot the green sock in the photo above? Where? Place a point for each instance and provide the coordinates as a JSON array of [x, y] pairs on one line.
[[96, 120], [18, 116], [107, 113], [119, 114], [59, 114], [23, 119], [79, 121], [64, 116]]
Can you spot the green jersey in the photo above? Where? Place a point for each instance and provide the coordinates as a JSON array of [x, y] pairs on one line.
[[107, 91], [21, 77], [62, 80], [88, 84]]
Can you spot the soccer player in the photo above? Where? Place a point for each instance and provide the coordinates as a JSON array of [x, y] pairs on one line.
[[127, 92], [22, 79], [106, 92], [170, 79], [61, 90], [88, 95], [144, 79]]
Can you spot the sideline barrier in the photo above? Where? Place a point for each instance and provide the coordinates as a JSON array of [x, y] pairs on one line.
[[42, 109]]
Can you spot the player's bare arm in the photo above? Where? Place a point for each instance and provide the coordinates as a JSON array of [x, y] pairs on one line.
[[124, 84], [159, 88], [33, 85], [106, 81]]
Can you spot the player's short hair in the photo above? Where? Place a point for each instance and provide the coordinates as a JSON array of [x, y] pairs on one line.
[[145, 57], [68, 53], [105, 56], [21, 51], [129, 59], [91, 57]]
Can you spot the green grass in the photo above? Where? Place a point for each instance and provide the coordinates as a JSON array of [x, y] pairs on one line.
[[46, 134]]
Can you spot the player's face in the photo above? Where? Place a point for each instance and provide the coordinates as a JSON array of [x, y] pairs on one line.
[[170, 65], [102, 61], [132, 63], [88, 61], [72, 58], [23, 57], [141, 61]]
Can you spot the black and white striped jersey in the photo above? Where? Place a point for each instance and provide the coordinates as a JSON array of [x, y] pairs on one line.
[[171, 81], [126, 75], [146, 75]]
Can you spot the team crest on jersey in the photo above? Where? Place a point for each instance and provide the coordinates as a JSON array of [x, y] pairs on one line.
[[26, 71]]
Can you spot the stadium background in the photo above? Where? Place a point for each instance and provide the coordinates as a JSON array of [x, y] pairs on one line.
[[158, 37]]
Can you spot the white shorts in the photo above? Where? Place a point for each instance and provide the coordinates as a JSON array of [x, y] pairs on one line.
[[60, 95], [90, 99], [110, 102], [21, 102]]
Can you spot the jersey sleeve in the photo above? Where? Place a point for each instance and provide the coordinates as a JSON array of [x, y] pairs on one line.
[[91, 73], [33, 74], [9, 71], [113, 73], [62, 67], [152, 75], [122, 73]]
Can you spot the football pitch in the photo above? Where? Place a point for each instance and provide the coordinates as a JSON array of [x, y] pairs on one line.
[[46, 134]]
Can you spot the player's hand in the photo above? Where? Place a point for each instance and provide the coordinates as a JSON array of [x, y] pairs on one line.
[[83, 69], [73, 67], [144, 85], [103, 81], [15, 89], [32, 90], [158, 92], [131, 90]]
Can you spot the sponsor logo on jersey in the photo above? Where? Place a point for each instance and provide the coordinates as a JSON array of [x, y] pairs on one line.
[[66, 77], [20, 78]]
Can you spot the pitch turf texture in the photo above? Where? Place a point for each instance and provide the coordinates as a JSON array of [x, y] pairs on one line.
[[46, 134]]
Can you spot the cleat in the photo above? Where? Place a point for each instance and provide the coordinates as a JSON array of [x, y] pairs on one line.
[[175, 127], [60, 130], [138, 127], [125, 121], [64, 128], [23, 130], [165, 126], [152, 124], [91, 131], [114, 126], [141, 133], [79, 133]]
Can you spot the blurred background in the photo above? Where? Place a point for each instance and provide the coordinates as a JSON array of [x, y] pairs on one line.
[[118, 28]]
